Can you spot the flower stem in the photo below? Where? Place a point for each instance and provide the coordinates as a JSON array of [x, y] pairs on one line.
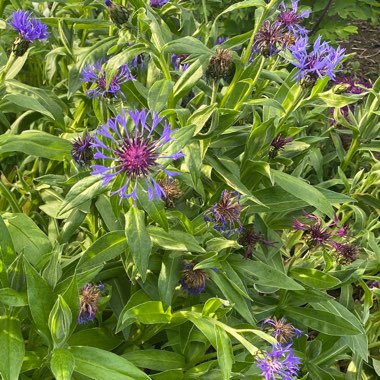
[[11, 60]]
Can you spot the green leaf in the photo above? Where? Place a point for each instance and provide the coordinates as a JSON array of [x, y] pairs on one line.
[[36, 143], [27, 237], [83, 191], [174, 240], [224, 352], [62, 364], [12, 347], [157, 360], [106, 248], [41, 299], [314, 278], [242, 5], [149, 313], [7, 251], [304, 191], [99, 365], [159, 94], [10, 297], [187, 45], [169, 277], [95, 337], [323, 321], [139, 242]]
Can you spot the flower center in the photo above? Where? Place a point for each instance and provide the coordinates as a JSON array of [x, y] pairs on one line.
[[138, 156]]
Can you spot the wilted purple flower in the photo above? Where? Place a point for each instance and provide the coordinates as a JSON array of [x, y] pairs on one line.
[[118, 13], [347, 252], [317, 233], [291, 18], [177, 62], [134, 153], [28, 28], [278, 144], [193, 281], [82, 151], [321, 61], [95, 76], [283, 331], [225, 215], [249, 238], [89, 298], [279, 363], [171, 189], [269, 39], [158, 3], [220, 40]]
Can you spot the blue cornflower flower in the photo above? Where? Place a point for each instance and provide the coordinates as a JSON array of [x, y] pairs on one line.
[[290, 18], [177, 62], [29, 29], [82, 151], [321, 61], [158, 3], [133, 152], [95, 76], [89, 298], [282, 331], [220, 40], [193, 281], [280, 362], [225, 215]]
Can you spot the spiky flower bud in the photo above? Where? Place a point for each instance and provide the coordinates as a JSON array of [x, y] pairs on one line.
[[193, 281], [220, 65], [118, 13]]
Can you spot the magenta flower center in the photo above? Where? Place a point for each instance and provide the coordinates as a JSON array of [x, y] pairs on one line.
[[138, 156], [288, 18]]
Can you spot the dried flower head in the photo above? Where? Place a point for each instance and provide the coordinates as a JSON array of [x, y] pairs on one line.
[[95, 77], [89, 298], [134, 153], [347, 252], [291, 18], [279, 363], [316, 232], [278, 144], [323, 60], [193, 281], [220, 65], [118, 13], [82, 151], [283, 331], [28, 28], [172, 190], [249, 238], [225, 215]]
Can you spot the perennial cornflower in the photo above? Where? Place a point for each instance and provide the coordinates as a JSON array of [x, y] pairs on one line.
[[158, 3], [82, 151], [290, 18], [225, 215], [193, 281], [133, 152], [323, 60], [318, 234], [278, 144], [269, 39], [347, 252], [280, 362], [89, 298], [249, 238], [220, 65], [177, 62], [283, 331], [95, 77], [28, 28], [118, 13]]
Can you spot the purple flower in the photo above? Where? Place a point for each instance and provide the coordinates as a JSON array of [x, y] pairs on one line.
[[220, 40], [290, 18], [249, 238], [133, 153], [321, 61], [347, 252], [193, 281], [269, 40], [28, 27], [225, 215], [89, 298], [280, 362], [177, 62], [95, 77], [282, 331], [317, 233], [82, 151], [158, 3], [353, 86], [278, 144]]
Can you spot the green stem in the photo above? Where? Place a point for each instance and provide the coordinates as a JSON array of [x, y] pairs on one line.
[[352, 150], [11, 60], [215, 83]]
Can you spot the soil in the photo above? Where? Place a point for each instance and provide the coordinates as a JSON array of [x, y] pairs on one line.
[[366, 45]]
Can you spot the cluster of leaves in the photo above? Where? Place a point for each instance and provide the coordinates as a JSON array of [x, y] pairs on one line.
[[193, 285]]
